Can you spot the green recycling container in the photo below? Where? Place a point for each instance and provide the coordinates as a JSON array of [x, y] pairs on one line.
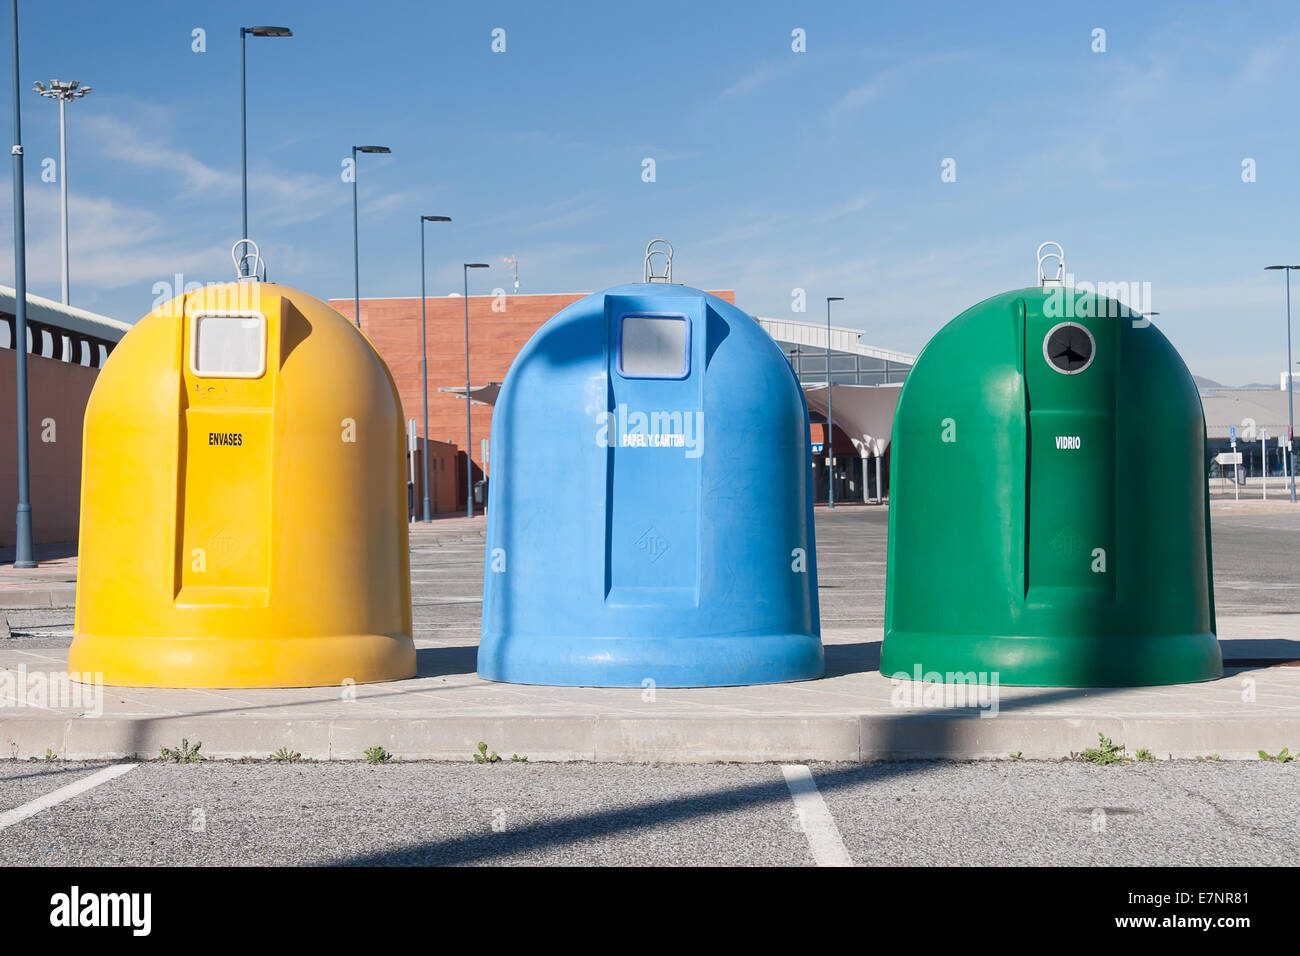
[[1049, 520]]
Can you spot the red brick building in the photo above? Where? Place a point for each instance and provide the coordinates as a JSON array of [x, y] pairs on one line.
[[498, 328]]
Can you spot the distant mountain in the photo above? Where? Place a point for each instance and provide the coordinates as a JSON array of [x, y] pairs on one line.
[[1207, 383]]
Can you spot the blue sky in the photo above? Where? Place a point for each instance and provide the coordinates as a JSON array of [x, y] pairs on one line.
[[775, 170]]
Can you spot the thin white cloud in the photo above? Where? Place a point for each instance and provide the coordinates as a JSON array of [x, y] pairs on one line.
[[119, 246], [843, 209], [571, 210], [128, 142], [144, 143], [389, 204], [870, 92], [885, 82], [658, 153], [751, 82], [111, 246]]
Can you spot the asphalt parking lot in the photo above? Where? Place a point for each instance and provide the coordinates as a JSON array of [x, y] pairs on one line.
[[1005, 812], [518, 813]]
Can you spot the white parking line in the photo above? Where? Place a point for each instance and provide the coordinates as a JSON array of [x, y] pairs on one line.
[[55, 797], [815, 818]]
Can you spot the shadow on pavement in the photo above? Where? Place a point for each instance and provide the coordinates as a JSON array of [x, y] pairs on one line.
[[842, 659], [44, 552], [88, 767], [491, 846], [442, 661], [931, 727]]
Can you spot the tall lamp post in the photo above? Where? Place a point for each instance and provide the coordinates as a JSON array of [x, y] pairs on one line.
[[830, 409], [64, 93], [23, 518], [469, 438], [1290, 383], [356, 250], [424, 364], [243, 113]]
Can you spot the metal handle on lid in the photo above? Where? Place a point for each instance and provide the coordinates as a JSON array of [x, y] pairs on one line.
[[1057, 253], [253, 257], [649, 274]]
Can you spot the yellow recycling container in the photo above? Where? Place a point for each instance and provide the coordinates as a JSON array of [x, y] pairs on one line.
[[243, 501]]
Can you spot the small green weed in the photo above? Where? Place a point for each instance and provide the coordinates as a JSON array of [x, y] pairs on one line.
[[185, 753], [1105, 754]]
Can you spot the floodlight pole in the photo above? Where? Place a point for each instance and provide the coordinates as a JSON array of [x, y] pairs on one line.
[[63, 92], [356, 248], [63, 182], [243, 139], [1290, 373], [830, 409], [469, 437], [1290, 389], [424, 365], [244, 33], [424, 378], [23, 557]]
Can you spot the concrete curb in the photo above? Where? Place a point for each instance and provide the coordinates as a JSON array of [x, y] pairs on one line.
[[851, 738], [57, 595]]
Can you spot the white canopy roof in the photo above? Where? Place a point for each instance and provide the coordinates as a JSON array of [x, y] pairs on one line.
[[864, 412], [478, 394]]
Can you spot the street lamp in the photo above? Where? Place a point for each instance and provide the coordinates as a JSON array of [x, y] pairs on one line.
[[469, 438], [356, 252], [424, 363], [23, 557], [63, 92], [243, 113], [513, 261], [830, 409], [1290, 384]]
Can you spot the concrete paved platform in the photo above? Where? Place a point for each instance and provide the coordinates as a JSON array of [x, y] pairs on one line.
[[855, 714], [852, 715]]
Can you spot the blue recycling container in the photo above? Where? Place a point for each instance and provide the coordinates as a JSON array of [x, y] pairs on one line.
[[650, 509]]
